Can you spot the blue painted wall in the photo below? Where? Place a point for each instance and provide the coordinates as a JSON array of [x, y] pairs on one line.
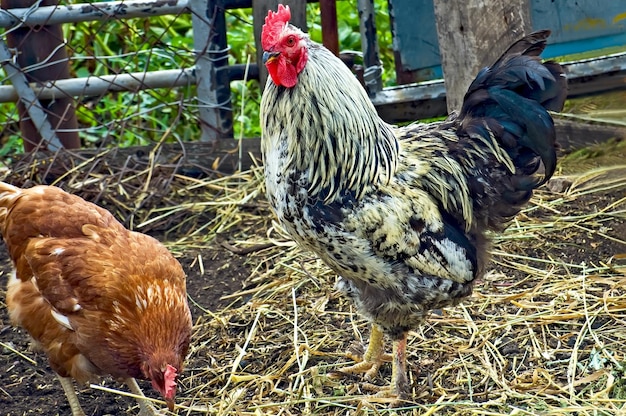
[[416, 37]]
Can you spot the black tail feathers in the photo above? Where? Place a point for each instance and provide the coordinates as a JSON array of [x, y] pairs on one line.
[[511, 100]]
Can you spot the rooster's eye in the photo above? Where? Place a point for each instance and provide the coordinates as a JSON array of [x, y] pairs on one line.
[[291, 40]]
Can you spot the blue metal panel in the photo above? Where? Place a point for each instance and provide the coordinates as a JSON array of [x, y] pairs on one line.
[[577, 26], [415, 39], [580, 26], [584, 45]]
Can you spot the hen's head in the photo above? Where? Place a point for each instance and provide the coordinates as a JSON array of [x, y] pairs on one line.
[[163, 378], [285, 49]]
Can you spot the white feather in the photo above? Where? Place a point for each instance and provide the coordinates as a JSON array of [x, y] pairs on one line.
[[61, 319]]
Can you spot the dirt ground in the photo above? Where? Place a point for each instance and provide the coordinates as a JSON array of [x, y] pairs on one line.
[[29, 387]]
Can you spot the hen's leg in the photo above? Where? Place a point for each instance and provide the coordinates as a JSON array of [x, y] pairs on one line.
[[373, 358], [70, 393], [146, 408]]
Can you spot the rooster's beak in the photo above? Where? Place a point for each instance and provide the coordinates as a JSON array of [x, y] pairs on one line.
[[269, 56]]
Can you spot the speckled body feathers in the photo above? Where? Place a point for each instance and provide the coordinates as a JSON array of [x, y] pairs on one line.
[[401, 213]]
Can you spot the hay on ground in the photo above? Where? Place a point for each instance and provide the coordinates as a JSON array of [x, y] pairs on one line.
[[544, 332]]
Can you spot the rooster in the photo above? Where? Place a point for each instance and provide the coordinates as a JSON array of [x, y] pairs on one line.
[[97, 298], [401, 214]]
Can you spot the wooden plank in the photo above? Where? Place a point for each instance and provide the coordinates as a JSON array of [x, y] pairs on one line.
[[37, 45], [411, 102], [472, 34], [572, 135], [372, 72], [330, 34]]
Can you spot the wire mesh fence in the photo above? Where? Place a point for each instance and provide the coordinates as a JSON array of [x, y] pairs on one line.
[[132, 69], [133, 84]]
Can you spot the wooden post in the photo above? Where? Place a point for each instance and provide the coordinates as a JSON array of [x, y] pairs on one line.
[[372, 73], [27, 97], [330, 34], [36, 45], [259, 12], [213, 81], [472, 34]]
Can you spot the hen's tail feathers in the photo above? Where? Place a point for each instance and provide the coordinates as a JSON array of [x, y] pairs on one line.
[[8, 193], [509, 102]]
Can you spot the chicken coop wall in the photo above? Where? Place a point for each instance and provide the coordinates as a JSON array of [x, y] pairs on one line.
[[118, 101], [577, 27]]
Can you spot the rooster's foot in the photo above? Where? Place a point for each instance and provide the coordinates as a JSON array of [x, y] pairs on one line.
[[370, 362]]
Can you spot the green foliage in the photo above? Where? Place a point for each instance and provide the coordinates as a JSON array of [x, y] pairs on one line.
[[246, 95], [240, 36], [246, 119], [10, 140], [133, 45], [9, 146], [166, 42]]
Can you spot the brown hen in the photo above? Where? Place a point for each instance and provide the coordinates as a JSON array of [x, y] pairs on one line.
[[97, 298]]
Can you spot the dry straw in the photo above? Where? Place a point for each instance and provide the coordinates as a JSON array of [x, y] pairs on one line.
[[543, 334]]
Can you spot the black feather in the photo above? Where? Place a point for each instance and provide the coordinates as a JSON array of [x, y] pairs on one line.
[[508, 104]]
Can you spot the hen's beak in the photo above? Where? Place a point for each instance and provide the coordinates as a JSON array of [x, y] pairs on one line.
[[170, 404], [269, 56]]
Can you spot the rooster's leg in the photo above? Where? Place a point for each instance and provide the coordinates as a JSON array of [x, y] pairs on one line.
[[399, 382], [146, 408], [70, 393], [373, 358]]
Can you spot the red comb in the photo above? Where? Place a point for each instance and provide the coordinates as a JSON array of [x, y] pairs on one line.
[[274, 24], [170, 381]]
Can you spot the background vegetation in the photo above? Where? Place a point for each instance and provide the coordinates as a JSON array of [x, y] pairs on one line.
[[166, 42]]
